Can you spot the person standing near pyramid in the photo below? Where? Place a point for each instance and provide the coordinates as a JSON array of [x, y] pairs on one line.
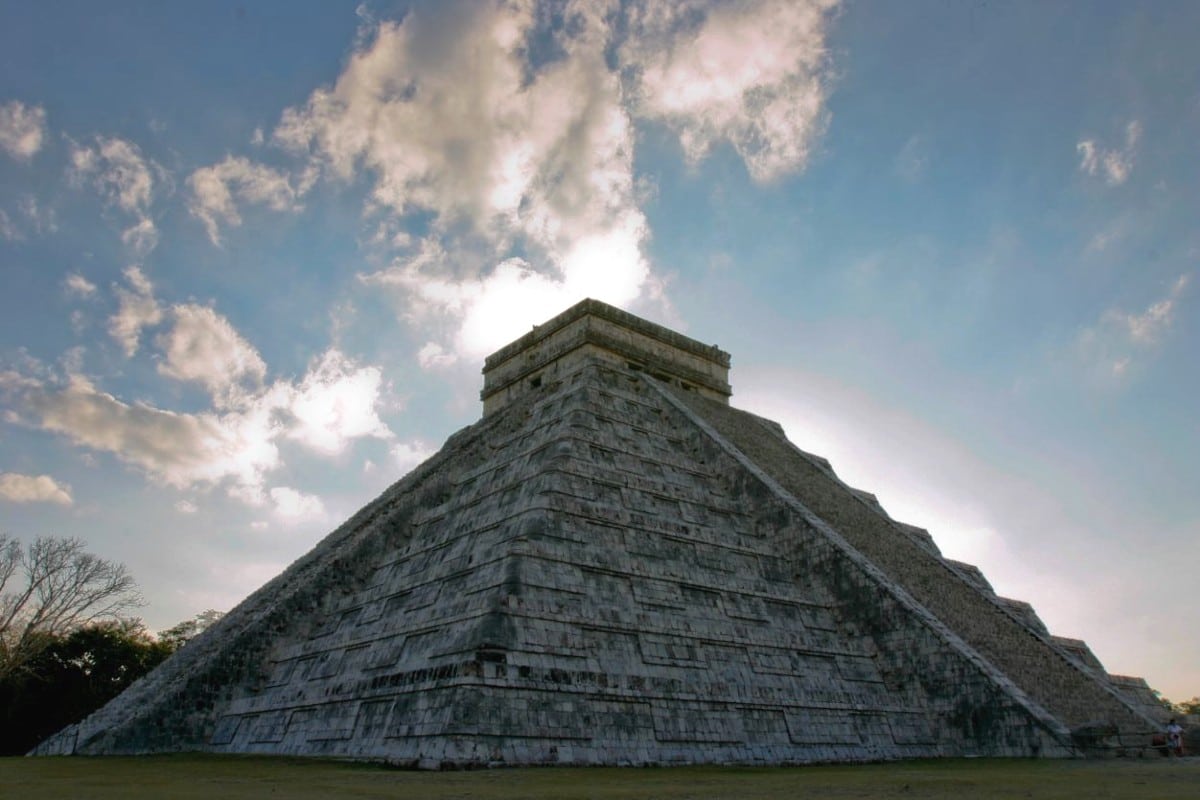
[[1174, 737]]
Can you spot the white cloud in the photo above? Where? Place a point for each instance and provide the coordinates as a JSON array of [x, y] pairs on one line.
[[236, 443], [334, 403], [506, 156], [215, 188], [433, 356], [79, 286], [293, 506], [202, 346], [447, 128], [524, 166], [22, 129], [19, 488], [125, 179], [186, 507], [500, 306], [1113, 165], [117, 171], [141, 237], [406, 455], [137, 309], [1113, 343], [1149, 326], [748, 73], [175, 449]]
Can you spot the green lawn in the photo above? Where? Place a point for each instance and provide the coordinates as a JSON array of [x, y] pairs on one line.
[[207, 777]]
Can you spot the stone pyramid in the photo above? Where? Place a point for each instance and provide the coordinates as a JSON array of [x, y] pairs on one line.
[[614, 566]]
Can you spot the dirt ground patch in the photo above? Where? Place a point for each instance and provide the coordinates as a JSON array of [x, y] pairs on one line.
[[205, 776]]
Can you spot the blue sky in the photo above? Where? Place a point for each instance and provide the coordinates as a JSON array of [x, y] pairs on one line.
[[252, 257]]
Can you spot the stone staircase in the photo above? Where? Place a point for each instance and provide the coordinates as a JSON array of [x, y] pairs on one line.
[[1080, 701]]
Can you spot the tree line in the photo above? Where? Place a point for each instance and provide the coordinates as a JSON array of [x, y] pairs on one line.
[[68, 644]]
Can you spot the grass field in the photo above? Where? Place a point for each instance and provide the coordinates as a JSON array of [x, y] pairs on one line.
[[207, 777]]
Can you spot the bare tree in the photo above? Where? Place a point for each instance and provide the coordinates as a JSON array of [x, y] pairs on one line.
[[51, 587]]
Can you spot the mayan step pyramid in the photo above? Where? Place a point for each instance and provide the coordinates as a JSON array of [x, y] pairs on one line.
[[614, 566]]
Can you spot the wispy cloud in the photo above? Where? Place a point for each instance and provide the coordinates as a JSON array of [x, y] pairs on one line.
[[8, 231], [78, 286], [119, 172], [140, 237], [137, 309], [1110, 235], [202, 346], [1120, 337], [31, 217], [18, 488], [22, 129], [1148, 327], [215, 190], [1115, 164], [912, 160]]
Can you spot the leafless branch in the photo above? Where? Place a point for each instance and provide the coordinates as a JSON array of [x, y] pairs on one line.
[[64, 587]]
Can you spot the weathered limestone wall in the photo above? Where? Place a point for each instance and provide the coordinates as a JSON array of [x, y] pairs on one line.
[[586, 578], [1027, 657], [973, 575], [1026, 615], [593, 330], [1139, 694], [173, 707], [608, 589], [1083, 655]]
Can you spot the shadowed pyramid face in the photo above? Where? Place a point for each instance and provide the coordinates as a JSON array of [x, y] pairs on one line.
[[615, 567]]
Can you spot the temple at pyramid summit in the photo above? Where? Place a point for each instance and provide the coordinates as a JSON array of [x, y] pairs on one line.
[[615, 566]]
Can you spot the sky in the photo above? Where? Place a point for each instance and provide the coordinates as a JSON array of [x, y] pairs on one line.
[[252, 256]]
